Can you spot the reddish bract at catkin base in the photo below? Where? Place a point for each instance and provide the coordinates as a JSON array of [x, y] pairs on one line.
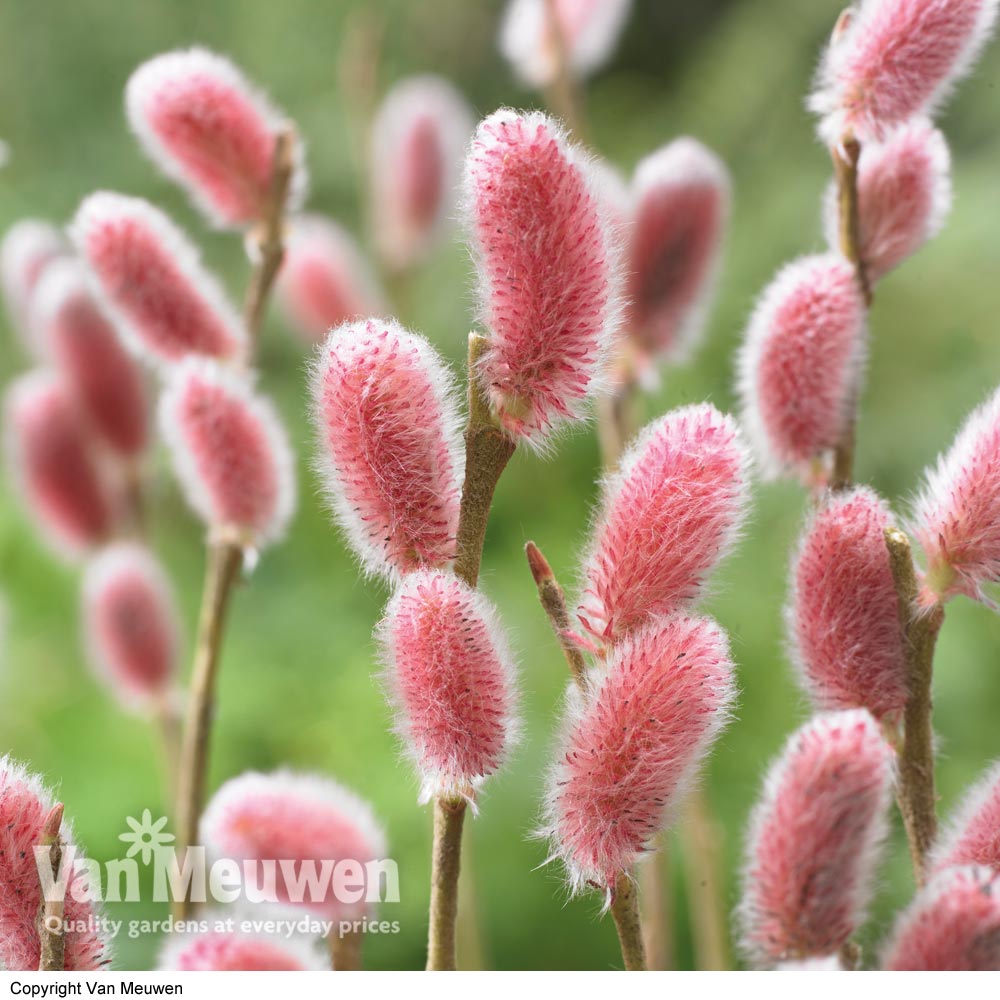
[[896, 59], [241, 951], [295, 821], [24, 807], [673, 510], [131, 623], [801, 364], [548, 269], [973, 833], [590, 30], [55, 464], [390, 449], [324, 279], [230, 453], [208, 129], [956, 517], [843, 618], [814, 839], [153, 283], [85, 347], [632, 743], [904, 194], [418, 140], [28, 247], [952, 926], [452, 679], [680, 206]]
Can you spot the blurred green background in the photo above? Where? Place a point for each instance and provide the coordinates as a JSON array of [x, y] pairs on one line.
[[298, 686]]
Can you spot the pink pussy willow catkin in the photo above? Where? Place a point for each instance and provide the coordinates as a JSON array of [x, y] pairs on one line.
[[296, 824], [843, 617], [633, 741], [972, 836], [680, 206], [53, 461], [324, 279], [896, 59], [451, 677], [25, 805], [153, 282], [671, 512], [953, 925], [132, 624], [239, 950], [904, 194], [209, 130], [230, 452], [84, 345], [801, 364], [956, 517], [28, 247], [814, 839], [548, 270], [390, 448], [418, 139]]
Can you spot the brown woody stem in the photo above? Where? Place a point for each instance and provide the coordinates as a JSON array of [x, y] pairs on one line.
[[553, 602], [655, 910], [52, 943], [169, 724], [449, 816], [625, 911], [701, 839], [345, 950], [917, 798], [564, 94], [487, 451]]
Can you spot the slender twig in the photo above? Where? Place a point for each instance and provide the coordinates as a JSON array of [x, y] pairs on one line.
[[449, 816], [845, 168], [553, 602], [52, 943], [917, 798], [487, 451], [703, 854], [656, 909], [625, 911], [224, 562], [564, 94], [169, 724], [345, 950]]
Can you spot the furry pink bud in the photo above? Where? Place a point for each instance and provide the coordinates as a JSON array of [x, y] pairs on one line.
[[801, 363], [230, 452], [548, 270], [54, 462], [957, 514], [896, 59], [85, 346], [324, 280], [680, 208], [239, 950], [390, 449], [209, 130], [298, 823], [452, 679], [590, 30], [953, 925], [28, 247], [131, 621], [26, 809], [973, 835], [843, 620], [633, 743], [418, 140], [668, 516], [814, 839], [904, 194], [153, 282]]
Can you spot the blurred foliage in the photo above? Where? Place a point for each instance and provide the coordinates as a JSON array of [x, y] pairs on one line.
[[299, 684]]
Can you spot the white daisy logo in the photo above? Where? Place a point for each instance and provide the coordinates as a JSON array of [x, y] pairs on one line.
[[146, 837]]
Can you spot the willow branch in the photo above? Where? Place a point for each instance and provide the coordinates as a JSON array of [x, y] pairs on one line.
[[702, 848], [656, 911], [52, 943], [917, 797], [625, 911], [449, 816], [564, 94], [345, 950]]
